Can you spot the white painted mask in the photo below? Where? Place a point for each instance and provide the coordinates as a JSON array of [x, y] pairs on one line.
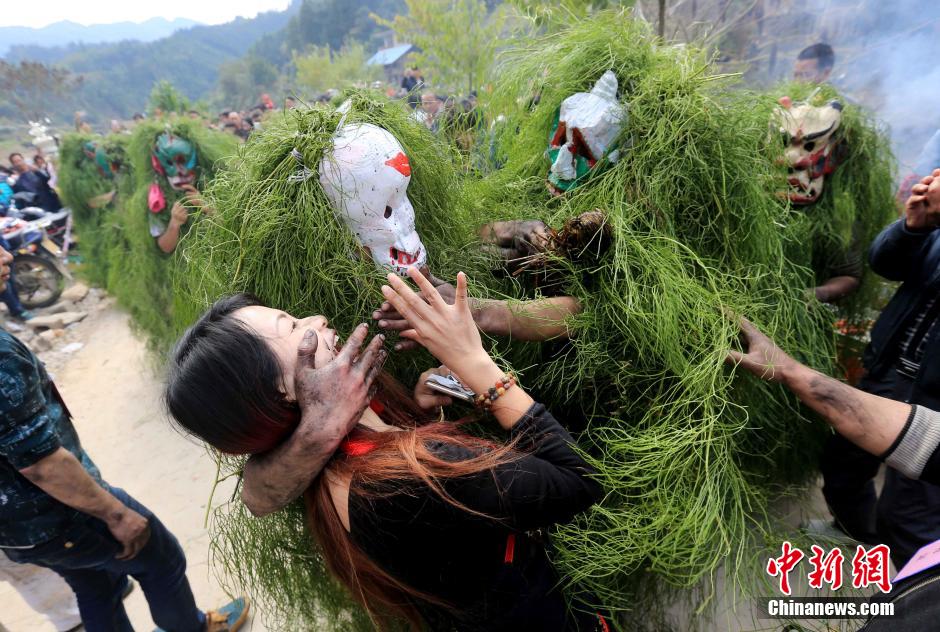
[[811, 139], [366, 178], [588, 124]]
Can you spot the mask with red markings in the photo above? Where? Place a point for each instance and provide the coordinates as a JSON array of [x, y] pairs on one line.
[[585, 134], [811, 137], [366, 178]]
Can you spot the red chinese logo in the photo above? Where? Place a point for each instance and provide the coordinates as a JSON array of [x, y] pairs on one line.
[[827, 568], [781, 566], [869, 568]]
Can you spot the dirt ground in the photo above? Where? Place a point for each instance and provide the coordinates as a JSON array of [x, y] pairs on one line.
[[110, 387]]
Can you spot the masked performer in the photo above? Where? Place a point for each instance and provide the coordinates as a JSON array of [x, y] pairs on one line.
[[839, 179], [171, 160], [92, 169], [681, 169]]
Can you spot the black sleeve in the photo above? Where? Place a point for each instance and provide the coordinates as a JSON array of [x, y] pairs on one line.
[[548, 485], [897, 253]]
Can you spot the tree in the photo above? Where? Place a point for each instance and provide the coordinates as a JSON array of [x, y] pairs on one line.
[[165, 97], [35, 89], [457, 38], [322, 69]]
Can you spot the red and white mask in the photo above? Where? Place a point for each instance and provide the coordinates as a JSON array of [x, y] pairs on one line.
[[811, 139], [588, 124], [366, 178]]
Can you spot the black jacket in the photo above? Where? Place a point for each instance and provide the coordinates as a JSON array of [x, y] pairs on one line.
[[492, 571], [899, 254], [37, 183]]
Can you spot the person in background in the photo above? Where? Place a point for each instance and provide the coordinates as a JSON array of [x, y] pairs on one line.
[[902, 363], [44, 591], [59, 513], [430, 112], [244, 128], [46, 166], [814, 64], [6, 189], [33, 180], [411, 82], [80, 124], [290, 103]]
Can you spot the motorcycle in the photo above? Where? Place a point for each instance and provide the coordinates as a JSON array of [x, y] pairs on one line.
[[59, 230], [38, 262]]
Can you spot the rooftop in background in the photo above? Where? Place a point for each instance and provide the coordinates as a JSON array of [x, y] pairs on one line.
[[388, 56]]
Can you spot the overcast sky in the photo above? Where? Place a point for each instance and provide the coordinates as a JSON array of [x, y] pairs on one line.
[[108, 11]]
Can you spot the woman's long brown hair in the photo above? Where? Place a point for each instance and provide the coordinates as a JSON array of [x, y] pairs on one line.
[[391, 457]]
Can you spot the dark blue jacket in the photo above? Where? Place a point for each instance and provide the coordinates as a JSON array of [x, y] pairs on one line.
[[899, 254]]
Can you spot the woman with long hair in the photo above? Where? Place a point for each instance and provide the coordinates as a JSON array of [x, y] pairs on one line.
[[418, 519]]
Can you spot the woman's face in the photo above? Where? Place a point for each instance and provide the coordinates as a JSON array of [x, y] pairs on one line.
[[283, 334]]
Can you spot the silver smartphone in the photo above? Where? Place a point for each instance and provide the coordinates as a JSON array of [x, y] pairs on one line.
[[449, 385]]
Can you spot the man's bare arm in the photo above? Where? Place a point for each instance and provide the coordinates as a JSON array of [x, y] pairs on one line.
[[872, 423], [274, 479], [539, 319], [836, 287], [62, 476]]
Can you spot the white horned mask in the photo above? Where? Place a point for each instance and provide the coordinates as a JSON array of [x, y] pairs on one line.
[[366, 179], [810, 134], [588, 124]]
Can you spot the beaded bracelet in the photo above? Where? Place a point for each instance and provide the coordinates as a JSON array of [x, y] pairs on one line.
[[485, 400]]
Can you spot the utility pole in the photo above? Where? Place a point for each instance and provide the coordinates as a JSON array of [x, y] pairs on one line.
[[662, 18]]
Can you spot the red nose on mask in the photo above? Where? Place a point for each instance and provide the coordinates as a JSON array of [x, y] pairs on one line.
[[400, 164]]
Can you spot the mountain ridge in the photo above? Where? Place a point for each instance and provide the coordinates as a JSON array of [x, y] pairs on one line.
[[66, 32]]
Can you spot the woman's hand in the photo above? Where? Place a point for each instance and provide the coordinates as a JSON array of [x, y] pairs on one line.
[[447, 331], [426, 397], [390, 320]]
